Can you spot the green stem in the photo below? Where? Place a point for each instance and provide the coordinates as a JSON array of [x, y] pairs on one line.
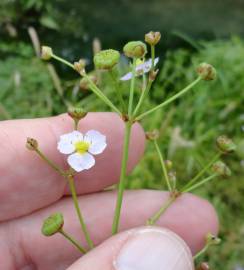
[[171, 99], [163, 165], [117, 89], [100, 94], [62, 61], [76, 204], [49, 162], [200, 253], [152, 56], [205, 180], [158, 214], [142, 97], [116, 219], [73, 241], [132, 88], [191, 182], [94, 88]]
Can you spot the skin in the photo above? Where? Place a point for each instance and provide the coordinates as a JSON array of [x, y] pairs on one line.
[[30, 191]]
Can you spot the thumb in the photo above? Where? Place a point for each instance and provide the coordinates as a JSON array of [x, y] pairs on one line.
[[143, 248]]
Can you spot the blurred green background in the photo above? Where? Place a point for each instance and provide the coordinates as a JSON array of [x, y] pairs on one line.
[[192, 32]]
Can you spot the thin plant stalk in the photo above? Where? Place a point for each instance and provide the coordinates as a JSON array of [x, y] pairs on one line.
[[151, 221], [132, 88], [163, 165], [201, 252], [100, 94], [152, 56], [128, 126], [191, 182], [205, 180], [142, 97], [78, 211], [121, 187], [49, 162], [73, 241], [93, 87], [171, 99], [117, 89]]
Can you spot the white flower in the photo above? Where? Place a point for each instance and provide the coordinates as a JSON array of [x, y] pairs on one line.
[[141, 69], [81, 148]]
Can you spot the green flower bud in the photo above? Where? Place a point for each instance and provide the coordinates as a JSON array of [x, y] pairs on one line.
[[53, 224], [169, 164], [206, 71], [84, 83], [152, 38], [76, 113], [135, 49], [80, 65], [31, 144], [212, 239], [46, 53], [152, 135], [225, 144], [106, 59], [221, 169]]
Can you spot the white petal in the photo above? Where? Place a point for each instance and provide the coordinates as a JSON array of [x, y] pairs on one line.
[[65, 147], [81, 162], [66, 142], [97, 147], [93, 136], [126, 77]]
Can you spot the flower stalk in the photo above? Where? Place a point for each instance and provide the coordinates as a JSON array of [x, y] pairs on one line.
[[72, 241], [162, 162], [78, 211], [169, 100]]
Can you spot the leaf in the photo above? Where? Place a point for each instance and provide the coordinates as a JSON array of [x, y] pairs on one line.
[[49, 22]]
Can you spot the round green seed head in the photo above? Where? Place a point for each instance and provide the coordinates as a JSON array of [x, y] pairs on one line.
[[225, 144], [106, 59], [135, 49], [52, 224], [207, 72]]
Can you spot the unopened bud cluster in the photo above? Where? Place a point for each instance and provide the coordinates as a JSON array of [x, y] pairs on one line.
[[77, 113], [152, 38], [31, 144], [206, 71], [46, 52], [225, 144]]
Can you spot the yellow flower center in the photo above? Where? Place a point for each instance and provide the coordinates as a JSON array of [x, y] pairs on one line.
[[81, 147]]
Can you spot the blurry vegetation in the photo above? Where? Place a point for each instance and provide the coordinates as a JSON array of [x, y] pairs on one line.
[[29, 88]]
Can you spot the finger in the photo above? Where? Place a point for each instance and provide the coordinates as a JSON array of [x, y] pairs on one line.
[[190, 217], [143, 248], [26, 178]]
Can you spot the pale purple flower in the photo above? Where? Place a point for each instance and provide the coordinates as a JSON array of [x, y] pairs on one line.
[[141, 69]]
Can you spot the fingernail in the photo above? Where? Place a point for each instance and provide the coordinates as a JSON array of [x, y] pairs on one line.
[[156, 249]]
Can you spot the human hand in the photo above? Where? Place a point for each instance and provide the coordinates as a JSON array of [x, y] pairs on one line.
[[30, 191]]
